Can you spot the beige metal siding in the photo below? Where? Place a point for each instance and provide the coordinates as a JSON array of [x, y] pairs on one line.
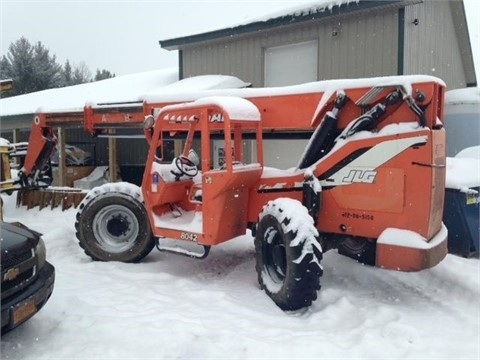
[[431, 47], [242, 58], [365, 45]]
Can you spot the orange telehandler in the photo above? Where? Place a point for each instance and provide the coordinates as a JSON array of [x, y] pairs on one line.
[[370, 182]]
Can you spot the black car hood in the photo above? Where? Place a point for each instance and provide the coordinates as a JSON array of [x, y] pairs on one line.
[[15, 237]]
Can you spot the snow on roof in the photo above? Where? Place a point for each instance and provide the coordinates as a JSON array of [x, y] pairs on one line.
[[199, 83], [117, 89], [290, 13], [302, 9], [161, 86], [133, 87]]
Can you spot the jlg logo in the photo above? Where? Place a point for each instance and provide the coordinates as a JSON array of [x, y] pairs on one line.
[[360, 176]]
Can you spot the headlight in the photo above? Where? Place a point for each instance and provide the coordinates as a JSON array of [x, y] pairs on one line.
[[149, 122], [41, 253]]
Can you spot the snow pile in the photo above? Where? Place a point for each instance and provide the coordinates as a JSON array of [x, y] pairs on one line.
[[193, 220], [463, 170], [463, 96], [411, 239], [236, 108], [97, 177], [174, 307], [472, 152]]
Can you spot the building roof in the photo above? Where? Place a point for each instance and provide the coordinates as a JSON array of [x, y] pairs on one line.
[[127, 89], [300, 13]]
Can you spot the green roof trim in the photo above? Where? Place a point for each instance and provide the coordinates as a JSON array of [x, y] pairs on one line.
[[17, 117], [401, 41], [177, 43], [17, 121]]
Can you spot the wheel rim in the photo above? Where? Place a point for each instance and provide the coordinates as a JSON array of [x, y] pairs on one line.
[[115, 228], [275, 255]]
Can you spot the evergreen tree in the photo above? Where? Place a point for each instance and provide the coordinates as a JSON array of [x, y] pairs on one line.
[[18, 66], [47, 73], [67, 74], [31, 68], [5, 68], [102, 75]]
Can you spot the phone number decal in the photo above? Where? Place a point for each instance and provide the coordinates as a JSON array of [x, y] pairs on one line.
[[357, 216]]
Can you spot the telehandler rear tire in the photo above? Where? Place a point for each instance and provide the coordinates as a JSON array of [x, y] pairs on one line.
[[288, 254], [112, 224]]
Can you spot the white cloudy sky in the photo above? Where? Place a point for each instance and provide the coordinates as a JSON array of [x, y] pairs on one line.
[[122, 36]]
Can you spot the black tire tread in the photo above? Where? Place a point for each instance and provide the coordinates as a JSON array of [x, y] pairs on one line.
[[126, 191], [302, 280]]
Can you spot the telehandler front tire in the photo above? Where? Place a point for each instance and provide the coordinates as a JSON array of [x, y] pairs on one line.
[[112, 224], [288, 254]]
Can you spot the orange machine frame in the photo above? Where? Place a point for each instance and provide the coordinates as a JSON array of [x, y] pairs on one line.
[[364, 190]]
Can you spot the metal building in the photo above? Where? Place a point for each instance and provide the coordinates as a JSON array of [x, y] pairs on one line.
[[350, 39]]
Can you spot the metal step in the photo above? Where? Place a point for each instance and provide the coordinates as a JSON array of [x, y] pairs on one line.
[[184, 248]]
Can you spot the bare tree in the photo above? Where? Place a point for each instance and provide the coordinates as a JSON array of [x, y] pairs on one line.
[[81, 74]]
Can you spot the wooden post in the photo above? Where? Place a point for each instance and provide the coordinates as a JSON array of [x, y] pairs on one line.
[[62, 168], [177, 147], [16, 139], [112, 158]]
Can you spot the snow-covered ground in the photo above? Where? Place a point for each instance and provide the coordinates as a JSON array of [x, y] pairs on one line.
[[171, 306]]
